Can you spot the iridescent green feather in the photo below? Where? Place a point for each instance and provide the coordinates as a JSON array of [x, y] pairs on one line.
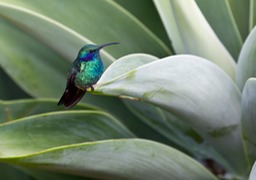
[[85, 71]]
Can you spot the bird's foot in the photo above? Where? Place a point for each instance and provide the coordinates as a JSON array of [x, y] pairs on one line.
[[90, 88]]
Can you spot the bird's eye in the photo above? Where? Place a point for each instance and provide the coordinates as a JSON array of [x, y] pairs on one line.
[[91, 51]]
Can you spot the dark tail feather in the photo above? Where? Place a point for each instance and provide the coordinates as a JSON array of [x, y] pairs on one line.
[[71, 96]]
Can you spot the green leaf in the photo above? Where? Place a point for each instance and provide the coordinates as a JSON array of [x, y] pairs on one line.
[[177, 131], [47, 31], [247, 60], [240, 11], [98, 21], [194, 90], [252, 17], [126, 64], [11, 173], [149, 16], [169, 126], [43, 175], [221, 18], [249, 117], [33, 66], [11, 110], [116, 107], [191, 34], [44, 131], [118, 159], [8, 89], [142, 129]]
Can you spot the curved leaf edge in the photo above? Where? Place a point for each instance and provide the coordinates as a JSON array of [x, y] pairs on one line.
[[41, 100], [50, 21], [143, 26], [66, 112], [99, 83], [18, 159]]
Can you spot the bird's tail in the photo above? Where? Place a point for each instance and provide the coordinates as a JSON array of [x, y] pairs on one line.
[[71, 96]]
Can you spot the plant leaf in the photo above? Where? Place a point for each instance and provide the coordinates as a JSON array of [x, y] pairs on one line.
[[195, 91], [247, 60], [43, 175], [190, 33], [123, 65], [118, 159], [249, 117], [126, 64], [48, 31], [252, 11], [49, 130], [32, 65], [241, 16], [8, 89], [177, 131], [11, 110], [11, 173], [221, 18], [149, 16], [87, 18], [181, 134]]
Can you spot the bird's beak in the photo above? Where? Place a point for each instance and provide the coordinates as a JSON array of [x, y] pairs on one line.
[[108, 44]]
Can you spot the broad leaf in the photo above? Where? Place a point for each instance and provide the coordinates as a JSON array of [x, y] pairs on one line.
[[48, 32], [191, 34], [221, 18], [239, 10], [163, 122], [193, 89], [252, 18], [11, 110], [49, 130], [149, 16], [34, 67], [97, 21], [11, 173], [8, 89], [175, 130], [247, 60], [115, 106], [249, 118], [126, 64], [117, 159], [39, 174]]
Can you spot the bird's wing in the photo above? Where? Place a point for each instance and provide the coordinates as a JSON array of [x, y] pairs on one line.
[[72, 94]]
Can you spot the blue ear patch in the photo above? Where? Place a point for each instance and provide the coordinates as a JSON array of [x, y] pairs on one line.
[[86, 57], [89, 56]]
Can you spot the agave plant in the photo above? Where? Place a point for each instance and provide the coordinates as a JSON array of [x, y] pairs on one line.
[[176, 100]]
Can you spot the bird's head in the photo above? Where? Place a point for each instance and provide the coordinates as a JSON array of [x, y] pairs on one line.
[[89, 51]]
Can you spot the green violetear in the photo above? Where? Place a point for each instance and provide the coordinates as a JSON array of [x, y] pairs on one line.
[[85, 71]]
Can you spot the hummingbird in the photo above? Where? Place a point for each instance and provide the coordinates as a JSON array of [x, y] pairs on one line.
[[84, 72]]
